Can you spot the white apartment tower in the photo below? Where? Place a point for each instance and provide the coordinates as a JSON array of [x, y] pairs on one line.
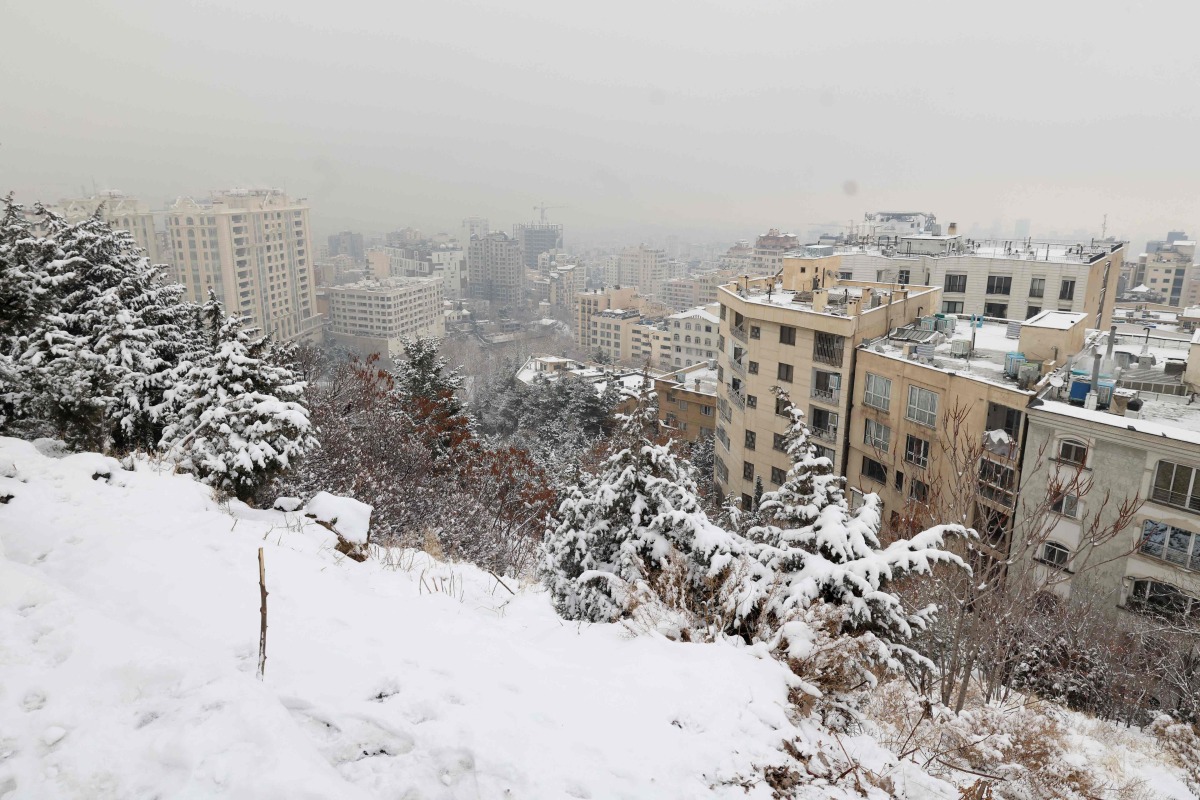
[[254, 249], [121, 212], [495, 270], [644, 268], [376, 316]]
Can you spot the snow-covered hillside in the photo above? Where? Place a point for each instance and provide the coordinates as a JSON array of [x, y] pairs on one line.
[[129, 624], [129, 619]]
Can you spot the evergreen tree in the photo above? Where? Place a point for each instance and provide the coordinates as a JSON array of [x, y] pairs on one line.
[[823, 550], [427, 392], [235, 419]]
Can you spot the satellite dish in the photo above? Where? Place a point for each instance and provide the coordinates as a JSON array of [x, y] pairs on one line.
[[1057, 382]]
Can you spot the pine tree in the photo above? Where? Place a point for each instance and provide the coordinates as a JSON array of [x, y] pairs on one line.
[[427, 392], [235, 419], [823, 550]]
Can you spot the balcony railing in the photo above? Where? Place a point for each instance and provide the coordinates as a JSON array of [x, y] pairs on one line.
[[738, 367], [998, 443], [827, 395], [828, 434], [739, 332], [738, 399]]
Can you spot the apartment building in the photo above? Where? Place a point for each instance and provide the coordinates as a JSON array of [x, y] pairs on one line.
[[769, 249], [376, 316], [566, 282], [119, 211], [739, 258], [495, 270], [803, 341], [694, 290], [1169, 272], [693, 337], [254, 249], [687, 401], [642, 267], [446, 262], [347, 243], [625, 336], [932, 396], [998, 279], [1142, 439], [535, 238]]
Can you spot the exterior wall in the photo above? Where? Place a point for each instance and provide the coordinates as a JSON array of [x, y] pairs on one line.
[[693, 339], [391, 310], [537, 238], [254, 249], [690, 413], [122, 213], [495, 271], [644, 268], [588, 304]]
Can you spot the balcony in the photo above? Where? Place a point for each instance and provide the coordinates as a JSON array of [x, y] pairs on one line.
[[831, 396], [739, 400], [738, 367], [1000, 444], [828, 434], [739, 332]]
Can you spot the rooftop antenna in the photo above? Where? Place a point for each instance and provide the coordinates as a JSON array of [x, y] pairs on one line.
[[1104, 228]]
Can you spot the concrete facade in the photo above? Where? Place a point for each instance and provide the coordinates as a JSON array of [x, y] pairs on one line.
[[376, 316]]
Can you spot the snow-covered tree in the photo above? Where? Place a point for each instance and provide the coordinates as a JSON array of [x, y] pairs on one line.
[[235, 418], [427, 391], [822, 550]]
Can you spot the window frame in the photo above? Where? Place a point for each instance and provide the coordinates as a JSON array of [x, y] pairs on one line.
[[1077, 445], [920, 417], [866, 470], [946, 283], [1066, 505], [918, 456], [873, 379], [995, 282], [876, 442], [787, 335], [1062, 558]]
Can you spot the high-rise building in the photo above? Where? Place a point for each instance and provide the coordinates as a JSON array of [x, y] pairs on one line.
[[253, 248], [376, 316], [495, 271], [474, 226], [122, 213], [769, 249], [1167, 270], [347, 243], [536, 238], [644, 268]]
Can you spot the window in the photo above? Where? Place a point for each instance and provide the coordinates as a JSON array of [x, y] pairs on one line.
[[1161, 599], [781, 407], [916, 451], [779, 442], [787, 334], [719, 465], [997, 482], [827, 348], [751, 401], [1072, 452], [899, 481], [778, 476], [877, 435], [857, 498], [1066, 504], [873, 470], [1055, 554], [922, 406], [902, 276], [995, 310], [1174, 484], [706, 411], [748, 470], [918, 491], [878, 393], [753, 367], [785, 373], [751, 438], [755, 332], [1171, 544], [1032, 311], [683, 405], [999, 284], [1066, 290], [956, 283], [952, 306], [1037, 287]]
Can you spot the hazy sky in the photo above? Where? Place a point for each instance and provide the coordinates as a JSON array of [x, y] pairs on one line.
[[709, 119]]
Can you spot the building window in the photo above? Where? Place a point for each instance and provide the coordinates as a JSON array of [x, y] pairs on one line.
[[995, 310], [956, 283], [999, 284], [1171, 544], [1175, 485], [721, 470], [706, 411], [916, 451], [997, 482], [918, 491], [778, 476], [952, 306], [755, 332], [785, 373], [1032, 311], [751, 438], [787, 334], [748, 470], [1066, 290], [899, 481], [1037, 287], [1067, 505], [753, 367], [873, 470], [1072, 452], [751, 401], [1055, 554], [779, 442], [922, 406], [903, 275], [878, 393], [876, 435], [1161, 599], [781, 408], [828, 348]]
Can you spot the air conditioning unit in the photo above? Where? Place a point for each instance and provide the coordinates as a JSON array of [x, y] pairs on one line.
[[910, 351], [960, 348], [1028, 374]]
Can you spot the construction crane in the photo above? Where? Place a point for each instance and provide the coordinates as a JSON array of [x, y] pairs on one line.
[[543, 208]]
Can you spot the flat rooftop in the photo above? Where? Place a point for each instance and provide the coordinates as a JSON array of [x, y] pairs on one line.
[[986, 362], [686, 378], [1053, 252]]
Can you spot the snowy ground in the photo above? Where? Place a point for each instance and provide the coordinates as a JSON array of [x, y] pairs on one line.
[[128, 652]]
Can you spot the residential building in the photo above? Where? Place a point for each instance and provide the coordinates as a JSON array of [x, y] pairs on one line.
[[122, 213], [254, 249], [347, 243], [931, 396], [475, 226], [693, 337], [694, 290], [687, 401], [1001, 280], [739, 258], [535, 238], [1168, 272], [495, 271], [768, 251], [376, 316], [803, 341], [566, 282], [1139, 437], [644, 268], [590, 303]]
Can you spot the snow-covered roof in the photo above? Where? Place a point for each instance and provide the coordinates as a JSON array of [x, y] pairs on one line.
[[986, 362], [1057, 320], [1141, 287], [1177, 421], [699, 311]]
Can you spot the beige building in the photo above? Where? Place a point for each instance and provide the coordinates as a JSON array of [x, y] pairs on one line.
[[1169, 273], [644, 268], [121, 212], [254, 249], [804, 342], [693, 337], [687, 401], [695, 290], [924, 401], [769, 249], [495, 270], [376, 316], [566, 282]]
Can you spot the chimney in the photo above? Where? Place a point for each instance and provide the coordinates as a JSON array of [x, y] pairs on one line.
[[1112, 340], [953, 229]]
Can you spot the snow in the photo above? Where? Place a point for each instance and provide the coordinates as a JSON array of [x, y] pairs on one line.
[[1177, 432], [129, 623], [1057, 320], [349, 517]]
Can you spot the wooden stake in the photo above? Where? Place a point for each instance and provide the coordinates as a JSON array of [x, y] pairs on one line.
[[262, 631]]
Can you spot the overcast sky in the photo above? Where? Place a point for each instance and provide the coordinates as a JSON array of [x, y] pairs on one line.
[[709, 119]]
